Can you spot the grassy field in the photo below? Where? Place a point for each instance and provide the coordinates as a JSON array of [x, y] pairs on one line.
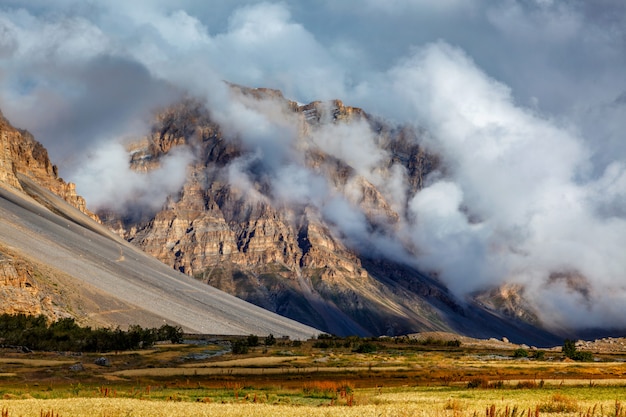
[[441, 401], [311, 379]]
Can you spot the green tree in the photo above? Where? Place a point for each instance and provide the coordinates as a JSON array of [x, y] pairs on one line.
[[520, 353], [366, 348], [239, 347], [569, 350], [270, 340], [540, 355], [172, 333], [253, 340]]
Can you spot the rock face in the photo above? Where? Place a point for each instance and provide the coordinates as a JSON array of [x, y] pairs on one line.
[[284, 254], [19, 290], [56, 261], [21, 154]]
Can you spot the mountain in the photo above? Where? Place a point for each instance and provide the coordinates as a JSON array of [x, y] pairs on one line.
[[57, 260], [301, 231]]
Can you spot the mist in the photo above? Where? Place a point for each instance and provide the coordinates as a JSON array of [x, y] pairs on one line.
[[522, 100]]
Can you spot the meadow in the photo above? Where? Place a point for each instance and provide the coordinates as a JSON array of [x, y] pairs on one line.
[[330, 377]]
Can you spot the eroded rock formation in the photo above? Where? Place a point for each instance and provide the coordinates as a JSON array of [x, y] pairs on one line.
[[19, 290], [20, 153], [285, 256]]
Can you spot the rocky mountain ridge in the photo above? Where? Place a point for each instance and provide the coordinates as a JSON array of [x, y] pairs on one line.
[[57, 261], [285, 254], [21, 154]]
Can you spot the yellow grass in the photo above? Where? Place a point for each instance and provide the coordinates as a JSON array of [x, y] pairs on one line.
[[36, 362], [139, 408], [436, 402]]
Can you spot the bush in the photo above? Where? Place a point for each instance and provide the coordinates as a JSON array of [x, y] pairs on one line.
[[520, 353], [479, 382], [34, 332], [171, 333], [270, 340], [582, 356], [539, 355], [569, 350], [366, 348], [239, 347], [253, 340]]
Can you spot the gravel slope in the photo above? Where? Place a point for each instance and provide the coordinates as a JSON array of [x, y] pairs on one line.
[[50, 231]]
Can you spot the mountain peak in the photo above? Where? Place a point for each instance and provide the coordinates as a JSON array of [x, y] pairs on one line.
[[295, 225]]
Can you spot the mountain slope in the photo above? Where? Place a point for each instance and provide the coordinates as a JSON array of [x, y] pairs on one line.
[[75, 266], [297, 229]]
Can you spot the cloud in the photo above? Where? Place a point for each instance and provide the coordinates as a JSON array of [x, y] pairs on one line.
[[109, 184], [518, 205], [521, 99], [63, 82]]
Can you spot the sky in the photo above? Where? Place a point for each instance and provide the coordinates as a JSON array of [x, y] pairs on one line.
[[524, 99]]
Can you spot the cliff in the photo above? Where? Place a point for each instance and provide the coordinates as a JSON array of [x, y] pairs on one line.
[[21, 288], [20, 153], [59, 262], [20, 292], [287, 254]]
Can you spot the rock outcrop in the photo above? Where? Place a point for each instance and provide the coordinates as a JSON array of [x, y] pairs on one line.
[[286, 256], [56, 261], [20, 153], [19, 290]]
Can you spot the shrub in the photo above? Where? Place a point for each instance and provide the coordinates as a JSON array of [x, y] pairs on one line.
[[539, 355], [569, 350], [34, 332], [582, 356], [171, 333], [520, 353], [239, 347], [253, 340], [270, 340], [528, 384], [478, 383], [366, 348]]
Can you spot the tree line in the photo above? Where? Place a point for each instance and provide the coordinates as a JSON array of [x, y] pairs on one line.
[[37, 333]]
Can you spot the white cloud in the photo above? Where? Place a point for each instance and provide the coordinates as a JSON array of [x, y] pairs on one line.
[[522, 99], [108, 182], [518, 208]]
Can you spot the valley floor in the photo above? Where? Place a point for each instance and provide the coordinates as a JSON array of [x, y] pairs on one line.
[[322, 377]]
